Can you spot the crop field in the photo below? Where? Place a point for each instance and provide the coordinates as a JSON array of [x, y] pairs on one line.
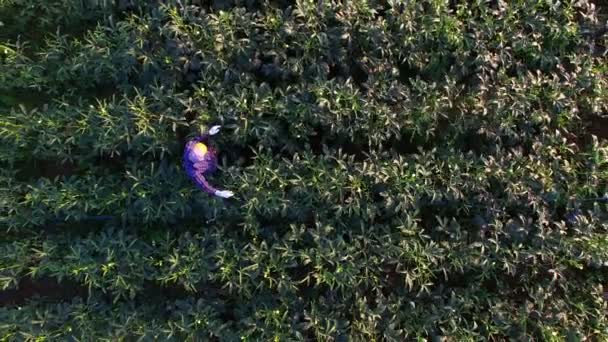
[[403, 170]]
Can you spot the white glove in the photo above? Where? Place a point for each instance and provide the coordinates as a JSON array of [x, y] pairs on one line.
[[215, 130], [224, 193]]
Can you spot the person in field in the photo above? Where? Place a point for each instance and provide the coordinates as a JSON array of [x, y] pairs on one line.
[[200, 160]]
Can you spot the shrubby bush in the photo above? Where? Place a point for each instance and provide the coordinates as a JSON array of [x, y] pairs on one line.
[[403, 170]]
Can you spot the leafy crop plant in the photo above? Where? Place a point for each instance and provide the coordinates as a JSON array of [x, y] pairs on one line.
[[402, 170]]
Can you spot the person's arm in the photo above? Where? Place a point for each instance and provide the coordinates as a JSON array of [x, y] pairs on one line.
[[205, 136], [202, 183]]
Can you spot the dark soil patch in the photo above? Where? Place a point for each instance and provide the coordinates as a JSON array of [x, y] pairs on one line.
[[602, 7], [336, 70], [474, 141], [52, 169], [82, 227], [46, 287], [112, 163], [408, 143], [29, 99], [359, 73], [268, 69], [316, 141], [357, 150], [241, 156], [407, 72], [598, 126], [45, 168], [52, 290]]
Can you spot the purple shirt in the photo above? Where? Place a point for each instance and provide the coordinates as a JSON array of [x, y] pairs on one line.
[[200, 160]]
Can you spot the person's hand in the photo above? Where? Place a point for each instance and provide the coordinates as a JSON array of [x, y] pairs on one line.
[[215, 130], [224, 193]]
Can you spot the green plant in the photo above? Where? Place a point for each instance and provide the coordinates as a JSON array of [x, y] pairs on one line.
[[402, 170]]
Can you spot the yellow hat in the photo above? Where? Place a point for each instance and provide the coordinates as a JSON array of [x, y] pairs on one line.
[[200, 149]]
